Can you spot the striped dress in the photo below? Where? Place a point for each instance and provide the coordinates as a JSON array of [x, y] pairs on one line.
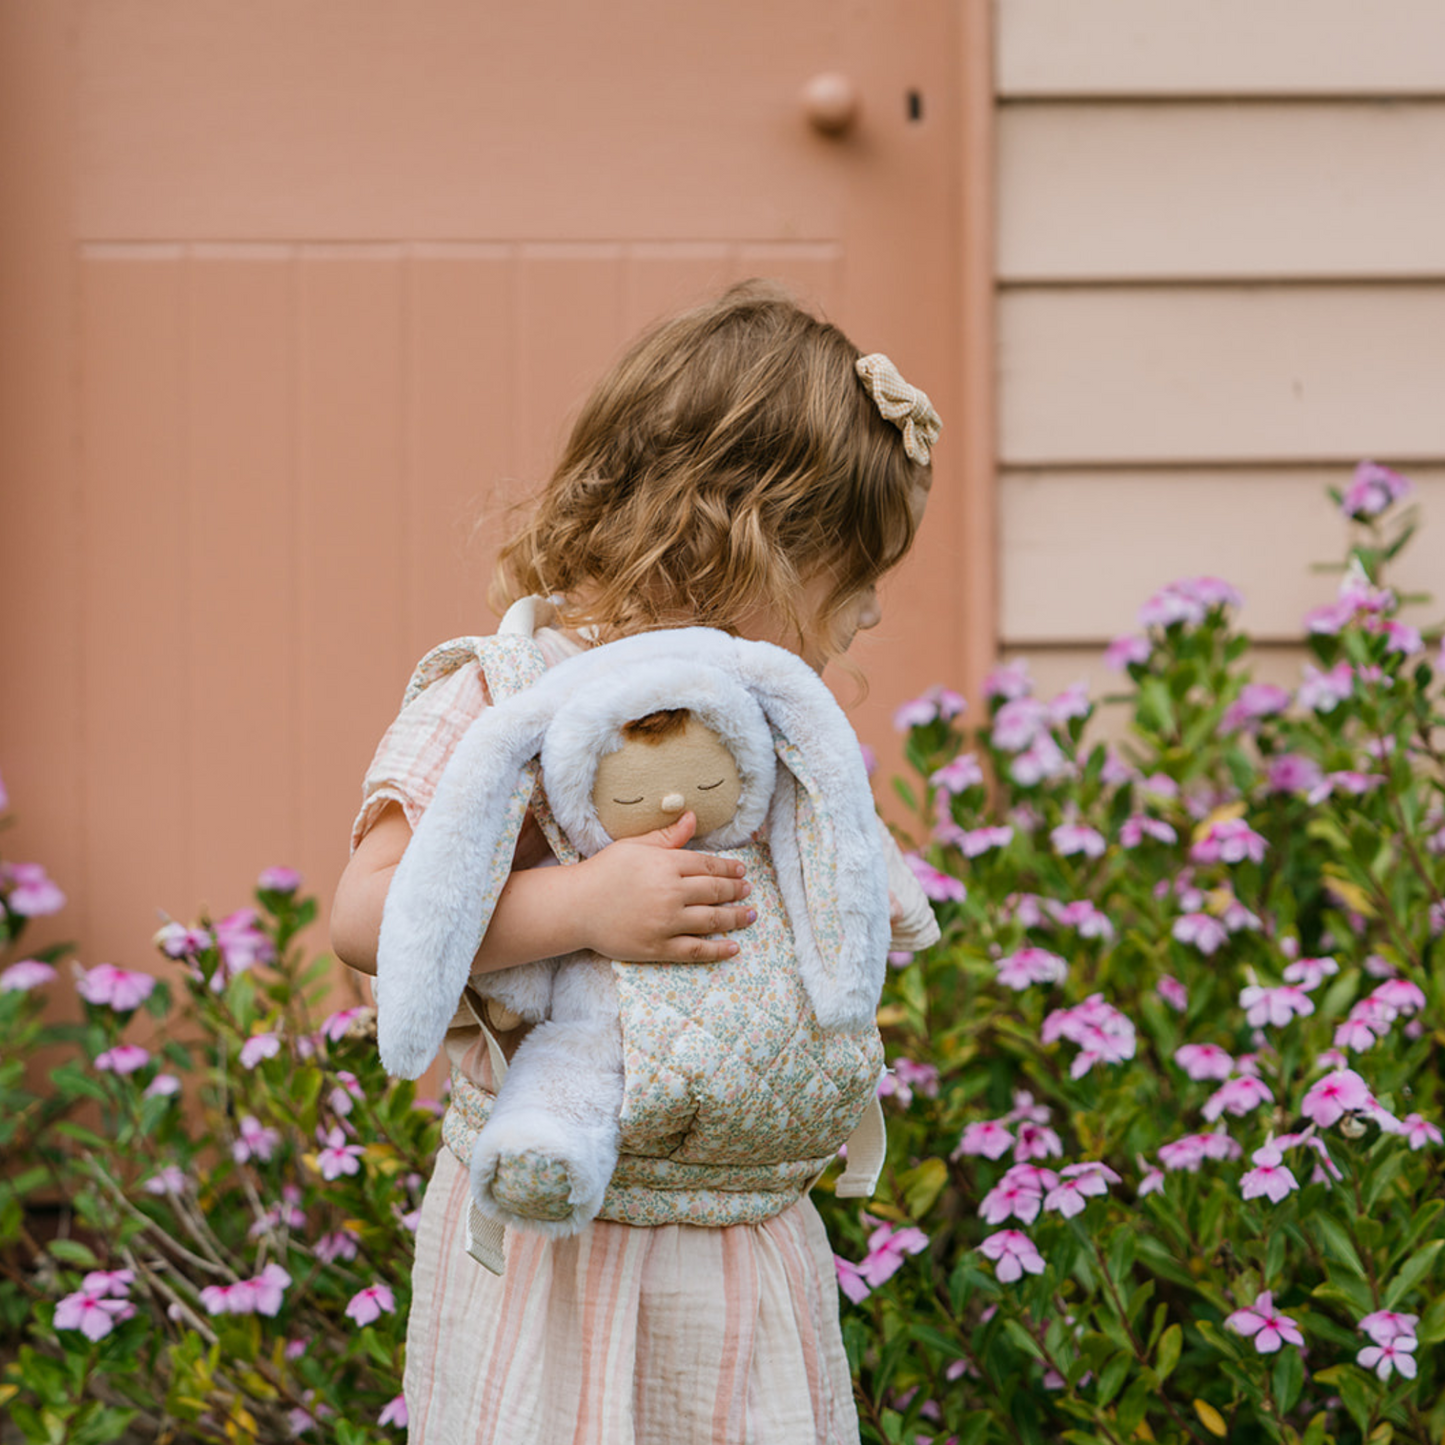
[[674, 1335]]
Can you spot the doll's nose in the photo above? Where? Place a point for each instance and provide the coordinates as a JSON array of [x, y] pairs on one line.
[[673, 802]]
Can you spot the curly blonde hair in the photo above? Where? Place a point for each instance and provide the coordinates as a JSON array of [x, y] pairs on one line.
[[730, 458]]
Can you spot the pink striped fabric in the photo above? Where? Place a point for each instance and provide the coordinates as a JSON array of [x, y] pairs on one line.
[[620, 1336]]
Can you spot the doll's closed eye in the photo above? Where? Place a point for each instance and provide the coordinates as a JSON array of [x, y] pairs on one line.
[[708, 787], [628, 802]]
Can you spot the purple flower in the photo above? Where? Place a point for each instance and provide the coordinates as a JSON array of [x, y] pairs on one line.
[[1237, 1097], [1082, 916], [258, 1047], [988, 1137], [850, 1279], [923, 1077], [1270, 1176], [887, 1247], [1010, 681], [279, 880], [394, 1413], [167, 1180], [1101, 1031], [1071, 838], [1205, 933], [121, 990], [1187, 601], [1077, 1184], [94, 1314], [1153, 1179], [1036, 1141], [337, 1026], [1072, 702], [1192, 1150], [1372, 489], [370, 1304], [348, 1089], [175, 940], [255, 1141], [1029, 966], [976, 841], [1274, 1006], [1419, 1131], [1231, 840], [1018, 722], [1324, 691], [1398, 994], [1173, 993], [1385, 1325], [288, 1214], [28, 890], [339, 1245], [242, 942], [163, 1086], [1204, 1061], [1136, 828], [123, 1059], [1011, 1196], [1332, 1097], [1396, 1354], [108, 1283], [23, 976], [1127, 651], [263, 1295], [941, 887], [1291, 773], [1269, 1328], [1013, 1253], [1043, 758], [1309, 973], [962, 773], [916, 714]]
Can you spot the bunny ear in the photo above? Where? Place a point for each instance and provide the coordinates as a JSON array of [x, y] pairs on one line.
[[823, 834], [445, 888]]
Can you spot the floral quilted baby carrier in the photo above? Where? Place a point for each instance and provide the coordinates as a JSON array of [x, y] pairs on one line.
[[739, 1080]]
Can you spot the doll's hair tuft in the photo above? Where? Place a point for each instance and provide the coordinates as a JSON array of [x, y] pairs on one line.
[[727, 459]]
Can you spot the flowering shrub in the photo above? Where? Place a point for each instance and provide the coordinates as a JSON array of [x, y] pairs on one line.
[[1165, 1151], [236, 1196]]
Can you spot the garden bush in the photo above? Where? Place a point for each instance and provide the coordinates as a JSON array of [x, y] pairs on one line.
[[1164, 1156]]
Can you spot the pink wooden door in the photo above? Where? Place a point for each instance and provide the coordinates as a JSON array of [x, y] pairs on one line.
[[301, 300]]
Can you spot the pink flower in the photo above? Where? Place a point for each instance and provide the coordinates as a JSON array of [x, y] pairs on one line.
[[940, 887], [1192, 1150], [1237, 1097], [959, 775], [1229, 841], [1018, 723], [93, 1313], [1324, 691], [175, 940], [1205, 933], [1332, 1097], [987, 1137], [923, 1077], [1395, 1354], [1204, 1061], [338, 1025], [1291, 773], [394, 1413], [1029, 966], [1013, 1253], [163, 1086], [1187, 601], [1125, 652], [1101, 1031], [1153, 1178], [108, 1283], [1009, 681], [1256, 700], [1042, 758], [338, 1157], [1082, 916], [1270, 1177], [23, 976], [1269, 1328], [242, 943], [123, 1059], [1399, 994], [370, 1304], [348, 1089], [1137, 827], [1419, 1131], [255, 1141], [1371, 490], [1355, 783], [258, 1047], [1036, 1141], [1072, 702], [887, 1247], [287, 1214], [1077, 1184], [121, 990], [978, 841], [1402, 638], [1071, 838], [1385, 1325], [278, 880], [28, 891], [1309, 973], [263, 1295], [1173, 993], [166, 1180], [339, 1245], [1274, 1006], [850, 1279], [1011, 1196], [1027, 1110], [916, 714]]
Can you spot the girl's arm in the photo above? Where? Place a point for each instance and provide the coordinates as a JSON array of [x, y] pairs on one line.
[[647, 900]]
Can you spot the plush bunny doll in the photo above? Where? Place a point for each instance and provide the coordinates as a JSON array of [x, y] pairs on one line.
[[629, 735]]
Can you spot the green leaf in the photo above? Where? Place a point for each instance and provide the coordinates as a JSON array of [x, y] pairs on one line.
[[1337, 1243], [1289, 1378], [1112, 1377], [1171, 1342], [72, 1251], [1355, 1394], [922, 1185], [1414, 1269]]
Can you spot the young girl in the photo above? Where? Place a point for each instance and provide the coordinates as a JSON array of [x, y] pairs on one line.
[[741, 468]]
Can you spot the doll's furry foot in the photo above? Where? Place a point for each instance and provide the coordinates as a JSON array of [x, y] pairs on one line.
[[530, 1172]]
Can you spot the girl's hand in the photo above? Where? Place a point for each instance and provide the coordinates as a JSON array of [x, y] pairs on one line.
[[650, 900]]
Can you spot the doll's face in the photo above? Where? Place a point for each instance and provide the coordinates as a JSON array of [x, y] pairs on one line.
[[651, 782]]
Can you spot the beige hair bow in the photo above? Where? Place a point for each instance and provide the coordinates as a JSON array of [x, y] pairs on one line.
[[905, 406]]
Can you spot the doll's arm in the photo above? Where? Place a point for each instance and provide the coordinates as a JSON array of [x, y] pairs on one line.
[[646, 899]]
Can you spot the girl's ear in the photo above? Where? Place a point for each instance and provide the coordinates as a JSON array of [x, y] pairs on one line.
[[445, 888], [823, 835]]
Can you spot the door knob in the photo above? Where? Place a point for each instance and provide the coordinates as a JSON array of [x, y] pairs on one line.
[[831, 103]]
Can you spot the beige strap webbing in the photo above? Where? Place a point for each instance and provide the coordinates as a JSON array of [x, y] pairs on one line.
[[486, 1238], [867, 1149]]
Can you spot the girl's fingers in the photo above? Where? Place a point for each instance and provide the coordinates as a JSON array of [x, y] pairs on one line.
[[706, 888], [699, 921], [708, 865]]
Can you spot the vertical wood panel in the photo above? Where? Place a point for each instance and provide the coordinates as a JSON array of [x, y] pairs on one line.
[[460, 435], [242, 566], [352, 530], [135, 594]]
